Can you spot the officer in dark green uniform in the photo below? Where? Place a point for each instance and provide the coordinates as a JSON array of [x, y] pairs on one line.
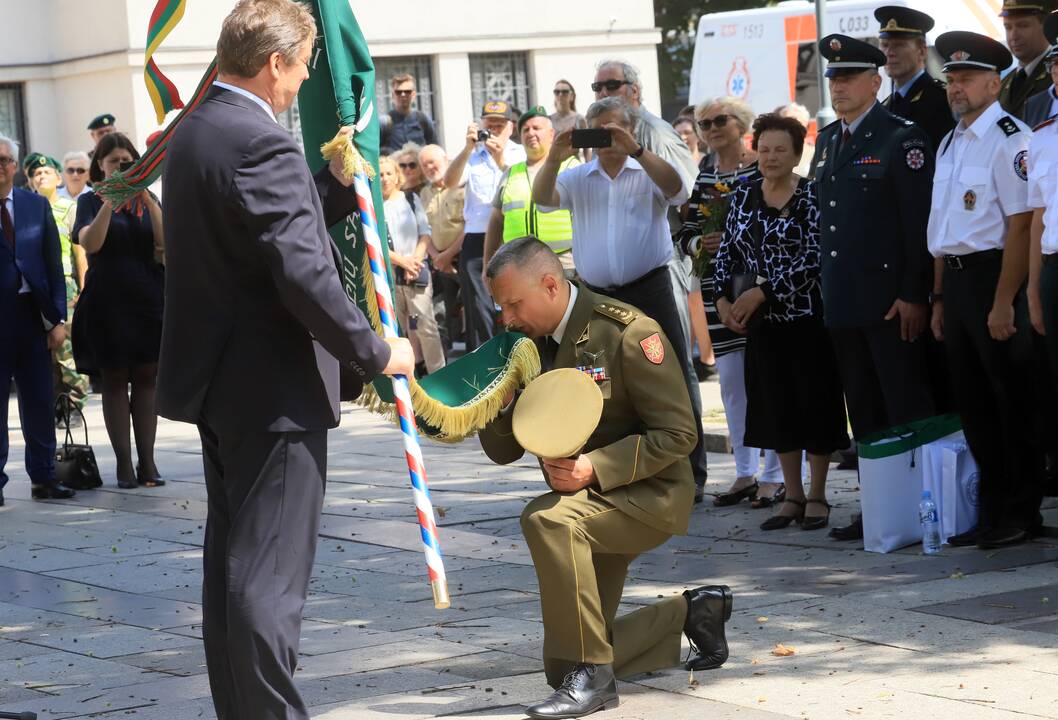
[[618, 487], [1023, 22], [874, 175], [916, 95]]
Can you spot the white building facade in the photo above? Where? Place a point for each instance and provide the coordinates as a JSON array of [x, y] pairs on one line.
[[64, 62]]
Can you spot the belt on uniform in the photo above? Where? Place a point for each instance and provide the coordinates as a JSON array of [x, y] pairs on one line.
[[629, 285], [962, 262], [1050, 259]]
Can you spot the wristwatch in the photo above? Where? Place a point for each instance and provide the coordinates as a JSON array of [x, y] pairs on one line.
[[935, 297], [638, 153]]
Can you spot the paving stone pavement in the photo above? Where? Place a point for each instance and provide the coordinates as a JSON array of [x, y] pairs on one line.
[[100, 614]]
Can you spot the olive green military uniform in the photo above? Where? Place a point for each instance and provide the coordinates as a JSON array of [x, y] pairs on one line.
[[1014, 92], [582, 543]]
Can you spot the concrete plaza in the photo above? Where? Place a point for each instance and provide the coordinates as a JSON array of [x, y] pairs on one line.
[[100, 613]]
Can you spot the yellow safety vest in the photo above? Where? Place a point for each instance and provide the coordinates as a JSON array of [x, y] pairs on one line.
[[521, 218]]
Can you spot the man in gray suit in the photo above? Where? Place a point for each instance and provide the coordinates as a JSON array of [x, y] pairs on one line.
[[257, 329]]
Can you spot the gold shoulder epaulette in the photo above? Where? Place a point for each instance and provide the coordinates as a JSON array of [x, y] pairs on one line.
[[620, 314]]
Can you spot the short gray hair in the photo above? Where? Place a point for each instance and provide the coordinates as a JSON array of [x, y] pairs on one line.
[[409, 147], [630, 72], [525, 253], [629, 116], [12, 145], [255, 29], [75, 155], [797, 111], [741, 110], [434, 149]]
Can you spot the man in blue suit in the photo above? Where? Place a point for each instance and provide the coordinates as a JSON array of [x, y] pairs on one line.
[[33, 308]]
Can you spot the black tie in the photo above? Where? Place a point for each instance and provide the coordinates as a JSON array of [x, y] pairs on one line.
[[6, 224], [1018, 82], [547, 360], [845, 136]]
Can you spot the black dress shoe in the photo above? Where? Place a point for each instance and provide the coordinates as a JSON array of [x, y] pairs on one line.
[[708, 608], [966, 539], [1, 498], [852, 531], [52, 492], [1002, 537], [734, 497], [699, 493], [588, 689]]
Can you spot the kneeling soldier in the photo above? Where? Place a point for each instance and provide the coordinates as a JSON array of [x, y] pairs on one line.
[[620, 487]]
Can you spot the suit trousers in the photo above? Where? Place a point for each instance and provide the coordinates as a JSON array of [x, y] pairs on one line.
[[478, 306], [886, 380], [581, 547], [24, 356], [265, 494], [992, 386], [652, 294]]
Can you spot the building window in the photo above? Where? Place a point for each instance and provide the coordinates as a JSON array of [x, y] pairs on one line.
[[419, 67], [500, 76], [12, 118]]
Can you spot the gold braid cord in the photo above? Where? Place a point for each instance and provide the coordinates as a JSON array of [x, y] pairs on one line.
[[452, 423]]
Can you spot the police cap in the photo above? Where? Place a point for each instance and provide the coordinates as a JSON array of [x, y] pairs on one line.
[[896, 21], [1026, 7], [848, 56], [963, 50]]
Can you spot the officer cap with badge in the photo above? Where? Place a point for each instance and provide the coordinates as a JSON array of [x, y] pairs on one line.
[[101, 121], [1013, 8], [35, 161], [849, 56], [902, 22], [557, 413], [964, 50]]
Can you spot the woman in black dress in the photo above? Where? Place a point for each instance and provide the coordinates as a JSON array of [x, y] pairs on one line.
[[794, 397], [118, 321]]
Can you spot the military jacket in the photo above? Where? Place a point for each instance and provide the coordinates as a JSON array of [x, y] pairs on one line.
[[1014, 104], [874, 200], [926, 105], [640, 447]]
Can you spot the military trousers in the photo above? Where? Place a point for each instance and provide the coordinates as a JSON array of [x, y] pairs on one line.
[[582, 546], [992, 386]]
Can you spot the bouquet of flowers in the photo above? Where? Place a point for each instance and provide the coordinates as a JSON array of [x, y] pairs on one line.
[[712, 213]]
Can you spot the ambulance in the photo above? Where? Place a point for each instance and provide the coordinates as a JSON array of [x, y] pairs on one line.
[[768, 56]]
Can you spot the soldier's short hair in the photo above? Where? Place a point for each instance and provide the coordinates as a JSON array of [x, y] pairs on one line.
[[255, 29], [528, 255]]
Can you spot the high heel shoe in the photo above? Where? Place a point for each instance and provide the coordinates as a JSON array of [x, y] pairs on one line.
[[778, 522], [736, 496], [149, 481], [814, 522]]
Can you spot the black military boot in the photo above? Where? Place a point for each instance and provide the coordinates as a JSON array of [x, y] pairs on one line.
[[587, 689], [708, 608]]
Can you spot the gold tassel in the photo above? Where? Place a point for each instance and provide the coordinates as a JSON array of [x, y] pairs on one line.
[[352, 161]]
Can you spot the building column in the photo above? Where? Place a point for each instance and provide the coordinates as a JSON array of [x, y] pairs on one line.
[[452, 99]]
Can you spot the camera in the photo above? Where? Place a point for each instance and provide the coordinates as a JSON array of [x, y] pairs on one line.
[[483, 135], [125, 165]]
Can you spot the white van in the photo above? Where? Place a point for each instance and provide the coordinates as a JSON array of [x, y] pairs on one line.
[[768, 56]]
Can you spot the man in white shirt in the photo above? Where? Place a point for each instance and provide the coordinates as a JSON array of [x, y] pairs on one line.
[[480, 165], [979, 234]]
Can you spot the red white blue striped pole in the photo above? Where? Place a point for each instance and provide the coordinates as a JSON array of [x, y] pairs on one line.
[[412, 451]]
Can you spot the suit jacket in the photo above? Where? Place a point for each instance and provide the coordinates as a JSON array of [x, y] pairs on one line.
[[926, 105], [37, 259], [640, 447], [256, 319], [1016, 103], [874, 199], [1038, 108]]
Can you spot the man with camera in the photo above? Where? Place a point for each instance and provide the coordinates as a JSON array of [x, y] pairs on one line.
[[480, 165]]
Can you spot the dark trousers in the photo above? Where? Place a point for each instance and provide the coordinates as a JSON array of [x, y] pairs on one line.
[[24, 356], [991, 383], [652, 294], [886, 380], [447, 286], [478, 306], [265, 494]]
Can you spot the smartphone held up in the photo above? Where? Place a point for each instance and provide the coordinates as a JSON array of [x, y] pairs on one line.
[[592, 138]]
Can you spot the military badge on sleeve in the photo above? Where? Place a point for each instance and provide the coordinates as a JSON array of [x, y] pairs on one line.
[[1021, 165], [915, 158], [653, 349]]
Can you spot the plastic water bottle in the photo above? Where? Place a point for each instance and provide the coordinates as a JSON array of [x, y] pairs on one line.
[[927, 515]]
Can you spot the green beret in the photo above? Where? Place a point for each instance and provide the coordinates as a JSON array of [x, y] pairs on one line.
[[535, 111], [39, 160], [102, 121]]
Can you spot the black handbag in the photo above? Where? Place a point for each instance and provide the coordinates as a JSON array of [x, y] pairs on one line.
[[741, 282], [75, 465]]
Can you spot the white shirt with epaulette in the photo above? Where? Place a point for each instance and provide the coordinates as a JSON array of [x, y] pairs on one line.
[[981, 179], [1043, 180]]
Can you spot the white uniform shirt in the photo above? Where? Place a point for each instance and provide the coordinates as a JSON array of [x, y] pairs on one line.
[[404, 223], [620, 230], [980, 181], [482, 176], [1043, 182]]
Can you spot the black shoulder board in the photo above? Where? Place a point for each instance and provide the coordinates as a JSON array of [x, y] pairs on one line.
[[1007, 125], [900, 119], [830, 125], [1045, 123]]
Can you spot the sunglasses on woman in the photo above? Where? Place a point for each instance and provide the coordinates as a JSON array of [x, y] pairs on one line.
[[562, 91], [610, 85], [408, 166], [76, 171], [718, 122]]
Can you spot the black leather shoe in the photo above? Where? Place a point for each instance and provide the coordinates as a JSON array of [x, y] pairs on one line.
[[52, 492], [852, 531], [708, 608], [699, 494], [966, 539], [1, 498], [588, 689], [1002, 537]]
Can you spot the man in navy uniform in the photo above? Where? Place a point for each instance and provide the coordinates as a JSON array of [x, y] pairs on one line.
[[917, 95], [874, 172]]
